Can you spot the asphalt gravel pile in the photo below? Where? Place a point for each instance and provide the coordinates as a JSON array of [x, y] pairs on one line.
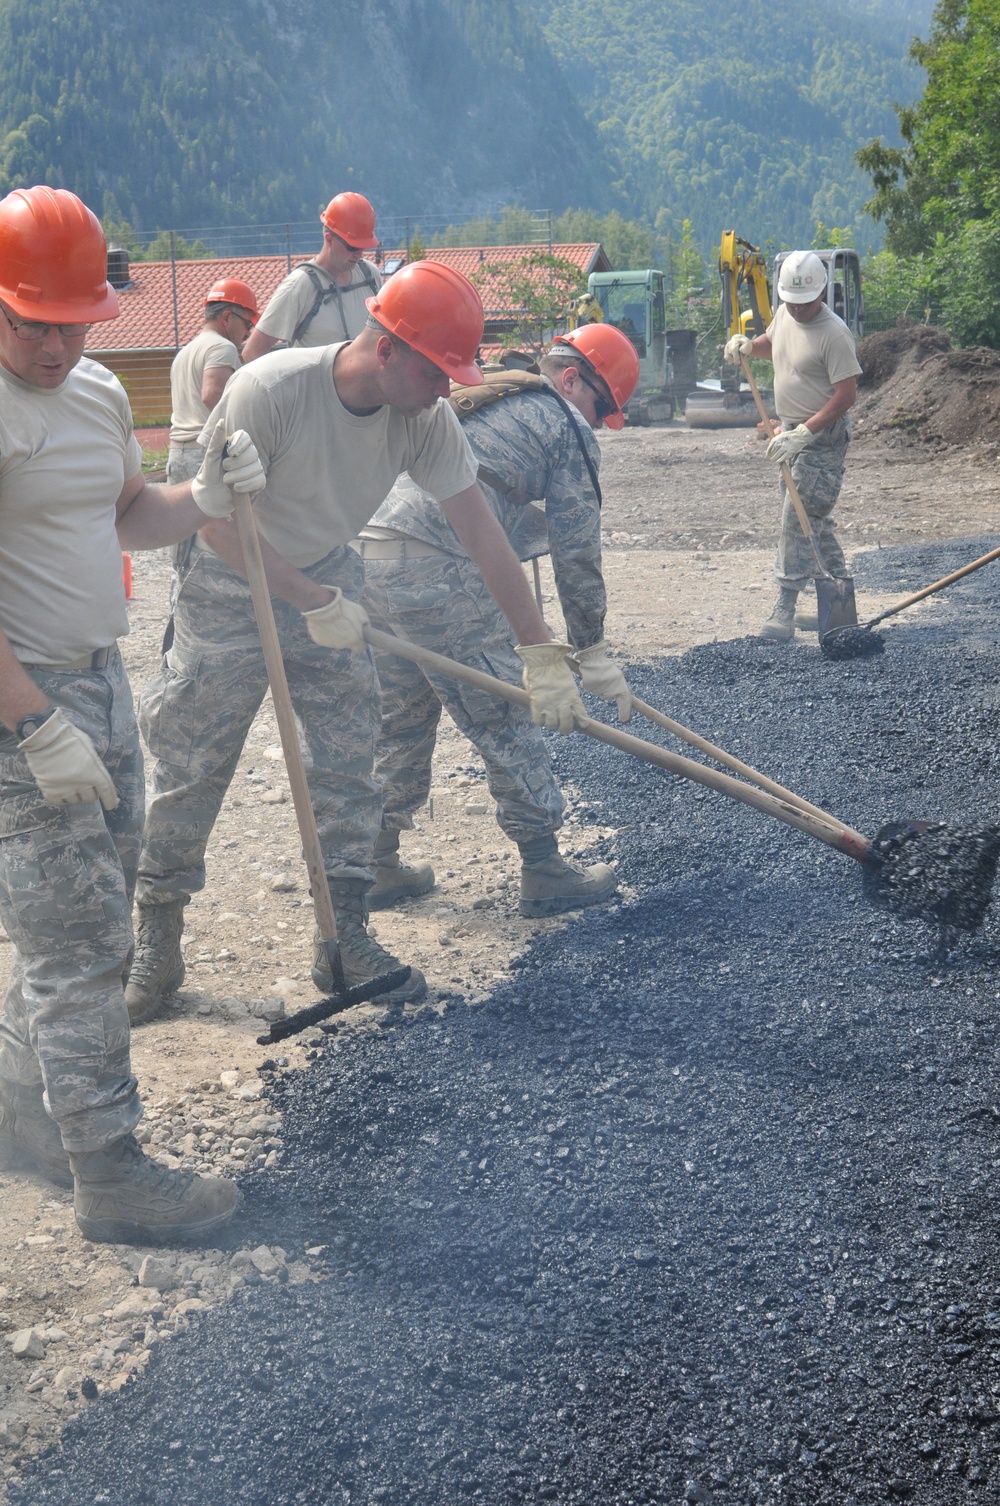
[[700, 1207]]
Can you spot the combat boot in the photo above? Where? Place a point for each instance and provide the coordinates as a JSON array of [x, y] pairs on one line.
[[360, 953], [123, 1196], [780, 626], [551, 884], [158, 965], [29, 1136], [395, 880]]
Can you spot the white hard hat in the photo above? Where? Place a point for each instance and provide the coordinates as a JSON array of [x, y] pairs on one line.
[[802, 278]]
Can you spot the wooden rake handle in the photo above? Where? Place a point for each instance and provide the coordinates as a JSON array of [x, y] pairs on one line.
[[285, 716], [939, 585], [824, 827], [790, 486], [727, 759]]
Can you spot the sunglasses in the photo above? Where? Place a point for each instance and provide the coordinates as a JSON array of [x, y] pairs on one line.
[[29, 330], [602, 407]]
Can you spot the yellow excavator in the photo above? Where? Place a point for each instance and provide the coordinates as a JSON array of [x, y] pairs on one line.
[[743, 271]]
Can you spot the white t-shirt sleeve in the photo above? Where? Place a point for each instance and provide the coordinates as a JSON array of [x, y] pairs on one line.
[[221, 352], [289, 304]]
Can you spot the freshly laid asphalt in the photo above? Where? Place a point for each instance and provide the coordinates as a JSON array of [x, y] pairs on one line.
[[701, 1206]]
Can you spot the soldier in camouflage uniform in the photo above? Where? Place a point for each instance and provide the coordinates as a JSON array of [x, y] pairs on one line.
[[531, 446], [72, 495], [815, 384], [334, 426]]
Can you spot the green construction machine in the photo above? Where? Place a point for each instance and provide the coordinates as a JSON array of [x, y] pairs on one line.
[[634, 303]]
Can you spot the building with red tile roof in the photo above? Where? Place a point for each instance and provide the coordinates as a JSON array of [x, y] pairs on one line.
[[162, 306]]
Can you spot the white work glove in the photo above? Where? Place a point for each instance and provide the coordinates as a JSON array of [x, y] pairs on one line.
[[230, 464], [548, 679], [603, 678], [784, 447], [738, 345], [65, 764], [340, 624]]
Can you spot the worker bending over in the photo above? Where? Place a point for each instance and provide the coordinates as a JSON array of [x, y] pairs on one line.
[[334, 427], [323, 300], [72, 496], [419, 580], [815, 384]]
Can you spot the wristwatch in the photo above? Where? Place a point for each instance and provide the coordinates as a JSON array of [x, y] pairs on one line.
[[31, 723]]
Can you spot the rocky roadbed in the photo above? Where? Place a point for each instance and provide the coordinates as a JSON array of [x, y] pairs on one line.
[[689, 522]]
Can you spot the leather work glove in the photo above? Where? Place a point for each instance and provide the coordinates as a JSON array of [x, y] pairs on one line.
[[784, 447], [739, 345], [230, 464], [548, 679], [603, 678], [65, 764], [340, 624]]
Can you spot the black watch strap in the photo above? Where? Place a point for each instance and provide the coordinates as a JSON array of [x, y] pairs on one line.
[[31, 723]]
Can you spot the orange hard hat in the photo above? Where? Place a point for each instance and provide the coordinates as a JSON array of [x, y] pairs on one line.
[[438, 312], [613, 357], [54, 258], [233, 290], [350, 216]]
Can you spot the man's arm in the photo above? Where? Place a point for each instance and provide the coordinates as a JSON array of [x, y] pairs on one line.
[[18, 692], [214, 378], [760, 347], [485, 542], [151, 515], [258, 344], [844, 395], [285, 581]]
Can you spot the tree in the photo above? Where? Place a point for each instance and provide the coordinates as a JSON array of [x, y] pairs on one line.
[[535, 292]]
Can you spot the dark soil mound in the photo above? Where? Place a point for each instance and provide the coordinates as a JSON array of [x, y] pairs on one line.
[[915, 386]]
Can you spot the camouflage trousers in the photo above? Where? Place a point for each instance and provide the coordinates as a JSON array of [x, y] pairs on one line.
[[196, 714], [184, 461], [818, 472], [67, 875], [443, 604]]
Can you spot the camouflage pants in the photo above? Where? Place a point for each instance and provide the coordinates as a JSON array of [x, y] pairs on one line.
[[66, 880], [443, 604], [184, 461], [196, 713], [818, 472]]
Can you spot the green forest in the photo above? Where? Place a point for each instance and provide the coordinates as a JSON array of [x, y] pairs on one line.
[[188, 116]]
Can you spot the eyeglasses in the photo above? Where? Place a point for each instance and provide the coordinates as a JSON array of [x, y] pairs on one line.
[[246, 318], [28, 330], [602, 407]]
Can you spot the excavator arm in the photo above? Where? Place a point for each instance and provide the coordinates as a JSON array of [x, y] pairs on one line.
[[742, 266]]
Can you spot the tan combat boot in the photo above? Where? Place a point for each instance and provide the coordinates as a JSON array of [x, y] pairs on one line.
[[360, 953], [29, 1136], [158, 965], [395, 880], [123, 1196], [780, 626], [551, 884]]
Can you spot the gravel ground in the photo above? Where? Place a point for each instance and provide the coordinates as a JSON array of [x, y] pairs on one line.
[[699, 1207]]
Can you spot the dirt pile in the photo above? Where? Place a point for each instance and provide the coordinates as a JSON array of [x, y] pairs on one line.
[[915, 386]]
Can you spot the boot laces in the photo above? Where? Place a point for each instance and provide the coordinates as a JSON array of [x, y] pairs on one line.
[[154, 1174]]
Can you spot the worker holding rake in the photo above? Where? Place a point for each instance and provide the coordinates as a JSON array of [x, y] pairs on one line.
[[815, 385], [334, 427], [72, 496], [534, 444]]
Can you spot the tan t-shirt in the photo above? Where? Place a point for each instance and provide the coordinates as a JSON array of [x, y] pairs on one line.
[[65, 455], [808, 360], [328, 469], [337, 319], [207, 350]]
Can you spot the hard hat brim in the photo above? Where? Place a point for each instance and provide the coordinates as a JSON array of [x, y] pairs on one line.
[[49, 311]]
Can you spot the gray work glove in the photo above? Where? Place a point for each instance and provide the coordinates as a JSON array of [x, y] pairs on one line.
[[784, 447], [739, 345], [231, 464], [603, 678], [548, 679], [340, 624], [65, 764]]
